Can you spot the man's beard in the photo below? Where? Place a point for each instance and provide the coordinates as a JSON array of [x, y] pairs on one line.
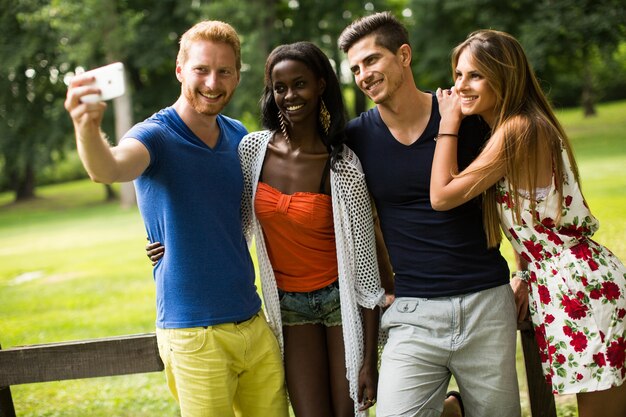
[[390, 89], [208, 109]]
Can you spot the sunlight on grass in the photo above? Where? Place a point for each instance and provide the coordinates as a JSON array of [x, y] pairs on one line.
[[73, 267]]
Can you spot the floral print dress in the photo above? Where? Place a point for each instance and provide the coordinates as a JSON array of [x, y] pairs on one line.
[[577, 288]]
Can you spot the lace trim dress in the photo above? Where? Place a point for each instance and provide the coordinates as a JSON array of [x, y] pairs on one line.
[[359, 279], [578, 288]]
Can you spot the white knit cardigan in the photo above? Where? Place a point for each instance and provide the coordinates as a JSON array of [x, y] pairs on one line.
[[359, 280]]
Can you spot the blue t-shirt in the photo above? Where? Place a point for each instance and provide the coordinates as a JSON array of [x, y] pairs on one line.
[[433, 253], [190, 200]]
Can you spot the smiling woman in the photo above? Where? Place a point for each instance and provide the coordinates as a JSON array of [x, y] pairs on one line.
[[531, 187], [308, 207], [477, 95]]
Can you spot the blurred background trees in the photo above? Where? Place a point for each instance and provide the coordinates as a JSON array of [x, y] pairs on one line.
[[578, 48]]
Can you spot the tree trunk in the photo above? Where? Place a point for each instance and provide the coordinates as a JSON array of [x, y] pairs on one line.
[[24, 183], [587, 96], [123, 122], [122, 106], [110, 194]]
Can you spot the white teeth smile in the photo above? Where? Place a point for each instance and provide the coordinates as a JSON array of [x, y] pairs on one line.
[[468, 99], [369, 87], [210, 96], [294, 108]]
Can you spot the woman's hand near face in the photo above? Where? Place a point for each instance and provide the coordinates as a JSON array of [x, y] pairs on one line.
[[450, 110]]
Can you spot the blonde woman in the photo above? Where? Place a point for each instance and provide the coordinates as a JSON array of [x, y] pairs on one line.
[[530, 182]]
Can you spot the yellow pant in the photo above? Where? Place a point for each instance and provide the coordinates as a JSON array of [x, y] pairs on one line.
[[227, 370]]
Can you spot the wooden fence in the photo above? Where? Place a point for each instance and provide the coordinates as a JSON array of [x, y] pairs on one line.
[[139, 354]]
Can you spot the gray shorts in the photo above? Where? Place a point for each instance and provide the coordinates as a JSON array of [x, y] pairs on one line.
[[472, 337], [315, 307]]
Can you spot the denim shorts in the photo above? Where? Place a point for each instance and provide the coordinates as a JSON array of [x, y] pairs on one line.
[[316, 307]]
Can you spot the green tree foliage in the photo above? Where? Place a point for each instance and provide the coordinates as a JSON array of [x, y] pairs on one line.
[[142, 34], [33, 125], [47, 40], [436, 26], [139, 33], [571, 43], [576, 39]]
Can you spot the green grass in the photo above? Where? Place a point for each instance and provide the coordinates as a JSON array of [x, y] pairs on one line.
[[72, 267], [89, 278]]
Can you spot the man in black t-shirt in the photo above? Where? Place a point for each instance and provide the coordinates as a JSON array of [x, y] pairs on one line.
[[454, 313]]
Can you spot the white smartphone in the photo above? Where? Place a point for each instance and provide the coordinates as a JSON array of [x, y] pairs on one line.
[[110, 80]]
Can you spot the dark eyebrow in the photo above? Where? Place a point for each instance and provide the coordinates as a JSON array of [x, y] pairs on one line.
[[367, 58], [371, 56], [293, 80]]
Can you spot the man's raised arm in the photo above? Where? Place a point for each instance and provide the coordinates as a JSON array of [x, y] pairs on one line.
[[103, 163]]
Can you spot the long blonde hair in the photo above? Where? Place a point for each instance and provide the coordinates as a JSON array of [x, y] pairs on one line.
[[523, 116]]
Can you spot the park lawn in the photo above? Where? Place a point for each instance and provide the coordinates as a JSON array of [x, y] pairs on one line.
[[73, 267]]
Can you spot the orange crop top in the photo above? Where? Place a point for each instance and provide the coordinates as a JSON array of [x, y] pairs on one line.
[[299, 236]]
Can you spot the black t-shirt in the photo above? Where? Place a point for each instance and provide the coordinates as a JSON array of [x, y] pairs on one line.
[[433, 253]]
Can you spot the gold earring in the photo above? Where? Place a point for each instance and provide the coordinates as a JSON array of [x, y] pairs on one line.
[[324, 117], [283, 128]]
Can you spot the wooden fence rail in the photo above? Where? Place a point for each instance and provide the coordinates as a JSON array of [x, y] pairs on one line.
[[135, 354]]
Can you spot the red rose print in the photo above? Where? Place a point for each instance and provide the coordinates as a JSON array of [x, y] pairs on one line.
[[513, 234], [504, 198], [610, 290], [544, 294], [581, 251], [571, 230], [579, 341], [568, 200], [546, 227], [599, 359], [579, 376], [616, 353], [584, 280], [593, 265], [621, 313], [540, 336], [535, 249], [554, 238], [560, 358], [551, 349], [549, 318], [595, 294], [580, 295], [533, 276], [574, 308], [525, 256], [567, 331]]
